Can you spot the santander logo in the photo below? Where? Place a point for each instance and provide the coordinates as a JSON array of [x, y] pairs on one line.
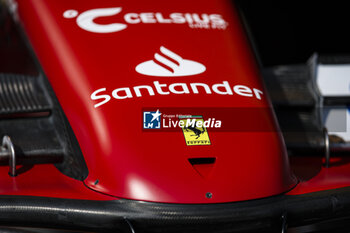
[[169, 64], [85, 20]]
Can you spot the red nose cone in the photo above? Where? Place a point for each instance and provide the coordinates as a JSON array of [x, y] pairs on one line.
[[107, 61]]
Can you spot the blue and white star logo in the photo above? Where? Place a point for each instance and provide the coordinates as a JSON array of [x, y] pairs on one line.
[[151, 120]]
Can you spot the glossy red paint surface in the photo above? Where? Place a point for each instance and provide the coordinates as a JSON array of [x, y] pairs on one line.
[[45, 181], [314, 176], [128, 162]]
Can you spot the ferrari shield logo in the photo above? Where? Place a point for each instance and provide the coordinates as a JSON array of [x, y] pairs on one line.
[[194, 131]]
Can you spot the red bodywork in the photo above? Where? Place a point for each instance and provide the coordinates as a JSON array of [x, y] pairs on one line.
[[127, 161]]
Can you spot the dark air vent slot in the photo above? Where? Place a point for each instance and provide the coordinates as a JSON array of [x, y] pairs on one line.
[[207, 160], [22, 96]]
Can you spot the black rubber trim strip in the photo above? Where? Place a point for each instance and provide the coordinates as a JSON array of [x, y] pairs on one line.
[[263, 215], [13, 230], [336, 100]]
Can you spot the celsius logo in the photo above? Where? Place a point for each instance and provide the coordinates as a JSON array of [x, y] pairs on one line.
[[169, 64], [85, 20]]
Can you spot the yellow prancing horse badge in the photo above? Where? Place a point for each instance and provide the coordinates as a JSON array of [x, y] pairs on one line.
[[194, 132]]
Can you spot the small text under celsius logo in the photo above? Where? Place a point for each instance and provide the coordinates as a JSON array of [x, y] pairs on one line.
[[85, 20]]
